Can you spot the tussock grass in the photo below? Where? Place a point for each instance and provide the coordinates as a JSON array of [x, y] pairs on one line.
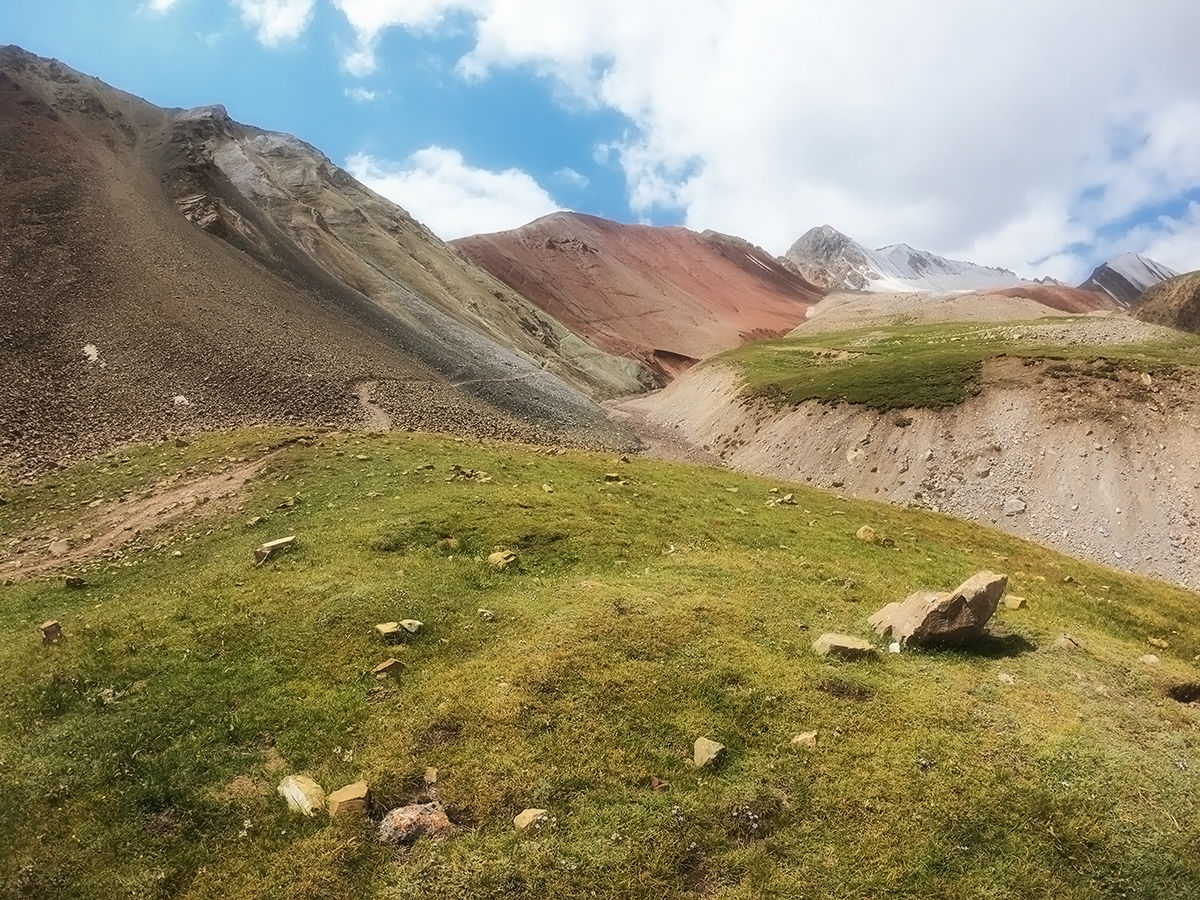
[[140, 756], [929, 366]]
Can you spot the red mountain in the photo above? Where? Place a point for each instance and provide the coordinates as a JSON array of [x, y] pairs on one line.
[[664, 296]]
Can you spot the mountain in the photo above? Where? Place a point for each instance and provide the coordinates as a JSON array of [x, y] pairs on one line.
[[1126, 277], [828, 258], [1174, 302], [663, 296], [163, 270]]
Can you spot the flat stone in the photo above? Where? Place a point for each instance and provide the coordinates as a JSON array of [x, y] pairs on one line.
[[270, 548], [1013, 506], [348, 801], [303, 795], [530, 818], [388, 629], [391, 666], [612, 476], [502, 559], [706, 752], [867, 534], [412, 626], [1012, 601], [51, 632], [843, 646], [407, 823], [930, 618]]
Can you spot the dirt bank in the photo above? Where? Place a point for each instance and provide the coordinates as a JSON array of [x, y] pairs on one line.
[[1106, 469]]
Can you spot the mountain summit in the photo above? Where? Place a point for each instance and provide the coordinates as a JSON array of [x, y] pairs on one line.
[[1127, 277], [828, 258]]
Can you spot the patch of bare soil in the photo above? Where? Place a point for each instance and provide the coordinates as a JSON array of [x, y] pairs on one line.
[[167, 506]]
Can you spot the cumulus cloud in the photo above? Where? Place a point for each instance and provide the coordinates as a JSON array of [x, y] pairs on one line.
[[1016, 133], [276, 21], [452, 198]]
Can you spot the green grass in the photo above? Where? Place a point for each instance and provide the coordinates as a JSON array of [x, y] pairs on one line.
[[929, 366], [642, 616]]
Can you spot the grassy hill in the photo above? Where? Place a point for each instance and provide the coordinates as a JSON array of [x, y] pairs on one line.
[[139, 756], [904, 365]]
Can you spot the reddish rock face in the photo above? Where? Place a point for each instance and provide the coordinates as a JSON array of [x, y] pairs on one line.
[[664, 296], [1062, 298]]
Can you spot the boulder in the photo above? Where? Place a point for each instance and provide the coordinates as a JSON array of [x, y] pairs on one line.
[[929, 618], [843, 646], [303, 795], [530, 818], [407, 823], [350, 800], [706, 752]]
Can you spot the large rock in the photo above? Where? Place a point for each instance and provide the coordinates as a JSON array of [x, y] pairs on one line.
[[929, 618]]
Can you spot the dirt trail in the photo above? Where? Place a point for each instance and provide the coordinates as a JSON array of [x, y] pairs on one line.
[[105, 530], [377, 418]]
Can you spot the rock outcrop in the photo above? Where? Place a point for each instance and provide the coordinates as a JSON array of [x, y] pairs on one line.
[[1174, 303]]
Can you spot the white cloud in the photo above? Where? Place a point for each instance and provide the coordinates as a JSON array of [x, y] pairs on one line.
[[1023, 129], [452, 198], [161, 5], [276, 21], [360, 94], [569, 176]]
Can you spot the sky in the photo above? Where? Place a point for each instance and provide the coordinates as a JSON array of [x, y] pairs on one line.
[[1044, 136]]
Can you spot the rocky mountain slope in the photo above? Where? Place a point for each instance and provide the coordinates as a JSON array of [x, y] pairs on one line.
[[828, 258], [663, 296], [1126, 277], [1098, 461], [1174, 303], [162, 270]]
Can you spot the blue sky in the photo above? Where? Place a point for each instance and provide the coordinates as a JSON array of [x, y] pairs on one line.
[[1040, 135]]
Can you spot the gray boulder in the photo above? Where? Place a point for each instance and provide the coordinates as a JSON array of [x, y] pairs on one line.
[[930, 618]]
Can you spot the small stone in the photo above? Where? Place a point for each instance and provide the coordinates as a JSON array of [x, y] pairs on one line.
[[1159, 643], [254, 520], [530, 818], [412, 626], [388, 667], [270, 548], [450, 543], [177, 553], [612, 476], [867, 534], [658, 785], [407, 823], [1013, 506], [1005, 678], [1014, 602], [1066, 642], [486, 614], [60, 548], [502, 559], [789, 499], [548, 489], [805, 739], [74, 582], [348, 801], [180, 442], [388, 629], [1149, 659], [430, 775], [303, 795], [706, 752], [51, 632], [842, 646], [894, 647]]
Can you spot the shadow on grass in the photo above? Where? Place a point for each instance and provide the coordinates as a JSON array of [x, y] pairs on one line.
[[999, 646]]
